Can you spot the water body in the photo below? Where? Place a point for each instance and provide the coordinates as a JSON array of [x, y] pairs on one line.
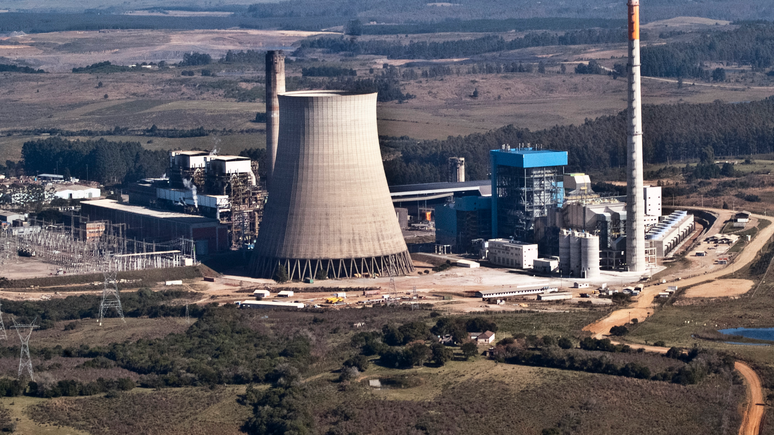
[[746, 344], [766, 334]]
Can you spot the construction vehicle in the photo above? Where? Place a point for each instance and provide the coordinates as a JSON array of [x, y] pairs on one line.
[[333, 300]]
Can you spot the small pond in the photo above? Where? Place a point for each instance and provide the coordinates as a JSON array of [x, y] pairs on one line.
[[766, 334]]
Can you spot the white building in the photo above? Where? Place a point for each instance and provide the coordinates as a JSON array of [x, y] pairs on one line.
[[672, 230], [546, 265], [511, 253], [652, 196], [76, 191]]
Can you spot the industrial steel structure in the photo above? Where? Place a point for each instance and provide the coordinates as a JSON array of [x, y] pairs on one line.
[[329, 207], [635, 207], [525, 186]]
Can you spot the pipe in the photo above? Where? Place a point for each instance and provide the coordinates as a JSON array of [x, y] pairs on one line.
[[275, 85], [635, 213]]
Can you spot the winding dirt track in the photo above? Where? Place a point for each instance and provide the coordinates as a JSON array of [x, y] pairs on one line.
[[642, 308], [753, 414]]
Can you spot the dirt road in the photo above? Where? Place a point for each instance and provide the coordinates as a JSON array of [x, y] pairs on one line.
[[643, 307], [753, 414]]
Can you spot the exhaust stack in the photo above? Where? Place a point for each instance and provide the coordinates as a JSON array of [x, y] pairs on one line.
[[275, 85], [635, 212]]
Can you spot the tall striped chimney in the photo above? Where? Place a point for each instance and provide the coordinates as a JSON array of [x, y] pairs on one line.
[[275, 85], [635, 204]]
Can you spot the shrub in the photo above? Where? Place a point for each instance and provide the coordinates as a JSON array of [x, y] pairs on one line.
[[619, 331]]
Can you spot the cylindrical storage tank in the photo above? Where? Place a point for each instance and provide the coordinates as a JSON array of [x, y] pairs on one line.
[[590, 256], [564, 252], [575, 255], [329, 206]]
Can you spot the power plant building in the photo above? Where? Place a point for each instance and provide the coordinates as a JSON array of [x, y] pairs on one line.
[[525, 187], [511, 253], [670, 232], [459, 222], [329, 207]]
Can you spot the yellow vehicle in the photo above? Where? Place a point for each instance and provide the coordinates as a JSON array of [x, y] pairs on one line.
[[333, 300]]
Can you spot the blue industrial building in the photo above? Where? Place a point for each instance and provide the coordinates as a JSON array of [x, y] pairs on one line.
[[465, 219], [525, 187]]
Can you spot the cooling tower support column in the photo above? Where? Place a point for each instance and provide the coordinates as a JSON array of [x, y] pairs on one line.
[[635, 207], [275, 85]]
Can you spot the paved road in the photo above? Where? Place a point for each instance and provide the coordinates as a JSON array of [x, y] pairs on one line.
[[641, 308]]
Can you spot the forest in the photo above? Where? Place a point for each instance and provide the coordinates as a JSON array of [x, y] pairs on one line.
[[672, 134], [462, 47], [96, 160], [751, 44]]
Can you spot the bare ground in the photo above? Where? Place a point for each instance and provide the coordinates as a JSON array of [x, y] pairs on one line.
[[720, 288]]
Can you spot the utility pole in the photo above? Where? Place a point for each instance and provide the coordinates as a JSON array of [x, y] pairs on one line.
[[25, 362]]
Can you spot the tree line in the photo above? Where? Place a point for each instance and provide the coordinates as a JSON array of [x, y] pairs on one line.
[[327, 71], [672, 133], [751, 44], [461, 47], [99, 160], [4, 67]]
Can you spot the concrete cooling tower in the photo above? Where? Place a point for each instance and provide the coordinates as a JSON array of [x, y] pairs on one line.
[[329, 205]]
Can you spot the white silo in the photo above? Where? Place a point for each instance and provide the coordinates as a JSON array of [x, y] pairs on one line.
[[329, 206], [564, 251], [590, 256], [575, 254]]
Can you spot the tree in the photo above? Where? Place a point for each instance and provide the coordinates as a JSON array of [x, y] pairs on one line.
[[354, 28], [281, 275], [475, 93], [719, 75], [321, 274], [619, 331], [563, 68], [392, 335], [565, 343], [469, 349], [417, 354], [541, 67], [359, 361], [441, 354]]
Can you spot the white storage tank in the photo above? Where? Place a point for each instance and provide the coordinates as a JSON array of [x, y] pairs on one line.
[[575, 255], [564, 252], [590, 256]]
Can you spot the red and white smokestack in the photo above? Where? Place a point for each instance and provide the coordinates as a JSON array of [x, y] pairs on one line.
[[275, 85], [635, 207]]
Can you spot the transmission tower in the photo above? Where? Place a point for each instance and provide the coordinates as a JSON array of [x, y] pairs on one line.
[[3, 334], [25, 362], [110, 296]]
